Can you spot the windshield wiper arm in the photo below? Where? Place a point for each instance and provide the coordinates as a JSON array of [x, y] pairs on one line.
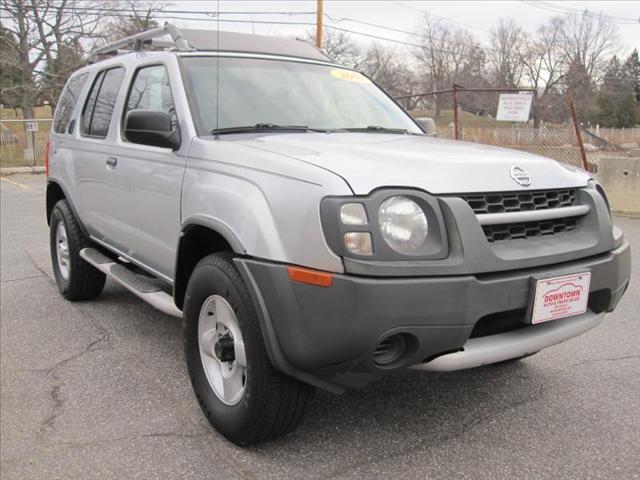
[[262, 127], [378, 128]]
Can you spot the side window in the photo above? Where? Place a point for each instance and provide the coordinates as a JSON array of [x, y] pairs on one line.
[[101, 102], [67, 103], [90, 105], [150, 90]]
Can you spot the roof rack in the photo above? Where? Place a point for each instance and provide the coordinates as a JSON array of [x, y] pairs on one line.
[[138, 41], [169, 37]]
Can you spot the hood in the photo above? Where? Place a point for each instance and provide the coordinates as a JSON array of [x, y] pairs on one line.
[[367, 161]]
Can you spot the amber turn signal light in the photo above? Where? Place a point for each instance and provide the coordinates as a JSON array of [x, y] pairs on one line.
[[310, 277]]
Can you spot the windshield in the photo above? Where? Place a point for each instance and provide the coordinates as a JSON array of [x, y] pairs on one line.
[[286, 93]]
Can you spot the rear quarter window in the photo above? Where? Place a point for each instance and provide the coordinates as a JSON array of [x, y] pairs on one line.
[[101, 102], [67, 103]]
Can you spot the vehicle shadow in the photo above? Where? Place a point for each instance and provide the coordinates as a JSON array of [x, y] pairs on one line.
[[407, 411], [404, 412]]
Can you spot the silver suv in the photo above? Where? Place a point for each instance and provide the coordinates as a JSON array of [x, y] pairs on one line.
[[306, 229]]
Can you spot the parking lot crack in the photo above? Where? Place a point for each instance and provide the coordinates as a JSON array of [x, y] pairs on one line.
[[598, 360], [38, 267], [13, 280], [127, 438], [55, 393]]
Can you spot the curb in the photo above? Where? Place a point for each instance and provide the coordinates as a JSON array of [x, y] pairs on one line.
[[12, 170]]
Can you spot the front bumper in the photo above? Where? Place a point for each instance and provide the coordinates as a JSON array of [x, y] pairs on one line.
[[327, 336]]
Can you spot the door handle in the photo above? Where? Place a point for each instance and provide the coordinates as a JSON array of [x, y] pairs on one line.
[[112, 162]]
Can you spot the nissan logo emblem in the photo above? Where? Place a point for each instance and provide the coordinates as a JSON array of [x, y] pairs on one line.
[[521, 176]]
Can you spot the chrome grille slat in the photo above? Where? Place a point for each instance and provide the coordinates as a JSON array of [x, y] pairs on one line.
[[532, 215]]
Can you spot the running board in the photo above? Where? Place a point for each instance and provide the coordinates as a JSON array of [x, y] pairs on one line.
[[136, 284]]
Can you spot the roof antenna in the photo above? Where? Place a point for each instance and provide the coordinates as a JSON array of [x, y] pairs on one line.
[[218, 73]]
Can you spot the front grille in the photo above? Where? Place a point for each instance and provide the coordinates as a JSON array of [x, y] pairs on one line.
[[514, 202], [506, 202], [515, 231]]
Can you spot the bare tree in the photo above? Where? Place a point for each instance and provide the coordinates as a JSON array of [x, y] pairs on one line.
[[386, 67], [46, 33], [544, 57], [507, 40], [140, 16], [544, 63], [588, 42], [442, 55], [339, 46], [10, 75]]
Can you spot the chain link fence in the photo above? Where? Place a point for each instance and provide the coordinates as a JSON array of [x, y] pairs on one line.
[[23, 143], [474, 120]]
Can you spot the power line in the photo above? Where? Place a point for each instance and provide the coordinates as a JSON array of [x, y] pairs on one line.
[[602, 14], [573, 11], [525, 39], [171, 11], [386, 39], [451, 20], [413, 34]]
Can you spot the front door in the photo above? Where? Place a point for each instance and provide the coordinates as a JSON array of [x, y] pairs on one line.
[[150, 178]]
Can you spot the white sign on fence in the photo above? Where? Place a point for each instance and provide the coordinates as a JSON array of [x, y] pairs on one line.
[[514, 107], [31, 126]]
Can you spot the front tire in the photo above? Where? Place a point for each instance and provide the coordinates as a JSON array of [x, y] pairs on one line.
[[240, 392], [76, 279]]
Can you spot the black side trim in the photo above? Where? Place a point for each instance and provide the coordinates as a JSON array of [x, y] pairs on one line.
[[273, 348]]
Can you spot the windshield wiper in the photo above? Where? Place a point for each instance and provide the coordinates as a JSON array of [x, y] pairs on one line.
[[378, 128], [262, 127]]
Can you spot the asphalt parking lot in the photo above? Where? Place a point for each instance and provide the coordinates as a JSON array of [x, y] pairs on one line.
[[100, 390]]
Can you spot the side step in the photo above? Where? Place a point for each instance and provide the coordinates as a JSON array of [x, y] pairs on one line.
[[136, 284]]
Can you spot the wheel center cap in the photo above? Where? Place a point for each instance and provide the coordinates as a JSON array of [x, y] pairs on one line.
[[223, 349]]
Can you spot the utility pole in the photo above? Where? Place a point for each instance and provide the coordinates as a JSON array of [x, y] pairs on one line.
[[319, 17]]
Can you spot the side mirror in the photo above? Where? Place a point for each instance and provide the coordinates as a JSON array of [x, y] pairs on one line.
[[428, 125], [151, 127]]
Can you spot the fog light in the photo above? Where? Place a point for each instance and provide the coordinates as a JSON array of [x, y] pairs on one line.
[[390, 349], [358, 243]]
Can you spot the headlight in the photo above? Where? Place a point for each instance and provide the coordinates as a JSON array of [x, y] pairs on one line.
[[387, 225], [403, 224]]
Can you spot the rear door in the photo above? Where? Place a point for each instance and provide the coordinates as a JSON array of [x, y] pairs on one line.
[[100, 202]]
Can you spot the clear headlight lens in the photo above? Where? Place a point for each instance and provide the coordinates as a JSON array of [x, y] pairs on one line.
[[353, 214], [403, 224], [358, 243]]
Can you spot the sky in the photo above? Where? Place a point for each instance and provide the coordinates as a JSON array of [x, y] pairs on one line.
[[476, 16]]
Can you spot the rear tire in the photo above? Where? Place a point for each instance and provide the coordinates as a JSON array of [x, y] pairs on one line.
[[76, 279], [260, 403]]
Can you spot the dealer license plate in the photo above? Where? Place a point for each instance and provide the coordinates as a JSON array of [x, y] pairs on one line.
[[560, 297]]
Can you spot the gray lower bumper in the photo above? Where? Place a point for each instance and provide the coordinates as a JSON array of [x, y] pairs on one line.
[[328, 336], [504, 346]]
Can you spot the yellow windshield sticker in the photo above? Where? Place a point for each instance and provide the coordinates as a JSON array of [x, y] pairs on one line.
[[349, 76]]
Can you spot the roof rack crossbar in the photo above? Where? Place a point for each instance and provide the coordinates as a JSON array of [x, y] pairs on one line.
[[137, 41]]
